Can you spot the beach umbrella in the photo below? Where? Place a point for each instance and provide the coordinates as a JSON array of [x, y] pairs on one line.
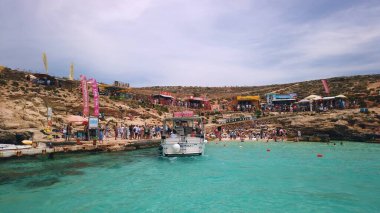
[[328, 98], [75, 119], [313, 97], [341, 96]]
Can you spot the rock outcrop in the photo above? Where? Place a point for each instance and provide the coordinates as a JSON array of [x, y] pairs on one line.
[[350, 125]]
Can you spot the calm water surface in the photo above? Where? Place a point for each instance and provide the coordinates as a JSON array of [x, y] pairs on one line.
[[238, 177]]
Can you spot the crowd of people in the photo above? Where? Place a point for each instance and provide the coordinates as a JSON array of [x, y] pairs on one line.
[[133, 132], [257, 130], [179, 103], [318, 106], [246, 108], [117, 132]]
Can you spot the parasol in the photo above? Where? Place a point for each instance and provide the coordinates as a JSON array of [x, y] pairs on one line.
[[75, 119], [341, 96]]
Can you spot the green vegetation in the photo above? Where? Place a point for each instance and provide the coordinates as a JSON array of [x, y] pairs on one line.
[[161, 109], [146, 116], [15, 84], [258, 113]]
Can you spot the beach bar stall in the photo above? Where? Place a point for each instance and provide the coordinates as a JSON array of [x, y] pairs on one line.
[[246, 103], [304, 105], [340, 101], [328, 103], [198, 103], [280, 100], [310, 103], [76, 126], [164, 98]]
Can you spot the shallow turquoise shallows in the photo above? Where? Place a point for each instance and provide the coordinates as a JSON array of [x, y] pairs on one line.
[[238, 177]]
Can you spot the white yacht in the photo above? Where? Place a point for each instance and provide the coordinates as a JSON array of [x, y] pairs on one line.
[[183, 135]]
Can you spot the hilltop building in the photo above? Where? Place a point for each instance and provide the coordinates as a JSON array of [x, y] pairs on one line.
[[121, 84]]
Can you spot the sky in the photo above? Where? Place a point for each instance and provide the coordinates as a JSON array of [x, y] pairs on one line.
[[193, 43]]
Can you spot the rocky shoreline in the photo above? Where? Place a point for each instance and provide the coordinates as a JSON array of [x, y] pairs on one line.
[[340, 125], [49, 149]]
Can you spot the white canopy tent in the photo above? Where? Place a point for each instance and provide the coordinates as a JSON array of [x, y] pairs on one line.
[[313, 97], [341, 96]]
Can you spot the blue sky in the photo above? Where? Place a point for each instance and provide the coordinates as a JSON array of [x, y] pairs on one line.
[[199, 43]]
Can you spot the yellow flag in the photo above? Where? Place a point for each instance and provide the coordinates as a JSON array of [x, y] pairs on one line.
[[71, 76], [44, 58]]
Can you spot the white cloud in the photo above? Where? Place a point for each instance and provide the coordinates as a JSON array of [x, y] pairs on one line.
[[208, 42]]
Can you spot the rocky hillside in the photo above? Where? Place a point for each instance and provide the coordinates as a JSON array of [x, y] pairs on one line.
[[362, 87], [23, 105]]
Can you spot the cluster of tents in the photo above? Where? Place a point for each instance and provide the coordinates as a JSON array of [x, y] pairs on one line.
[[316, 102], [315, 98]]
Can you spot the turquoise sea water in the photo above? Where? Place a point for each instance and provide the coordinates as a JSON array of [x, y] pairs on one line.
[[238, 177]]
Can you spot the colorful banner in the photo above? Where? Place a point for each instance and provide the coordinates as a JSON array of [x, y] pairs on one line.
[[95, 92], [327, 90], [83, 82]]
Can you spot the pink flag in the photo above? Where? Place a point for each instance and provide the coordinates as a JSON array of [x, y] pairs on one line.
[[96, 97], [327, 90], [83, 82]]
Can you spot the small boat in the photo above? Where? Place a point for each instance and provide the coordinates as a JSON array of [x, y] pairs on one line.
[[27, 142], [13, 147], [183, 135]]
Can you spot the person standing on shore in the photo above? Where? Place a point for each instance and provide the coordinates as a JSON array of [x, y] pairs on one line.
[[298, 136], [152, 132], [158, 131], [68, 132], [64, 132], [86, 136], [131, 135], [120, 131], [146, 132], [250, 136], [125, 130], [101, 134], [116, 131], [141, 132], [128, 133], [281, 134], [135, 132], [275, 135]]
